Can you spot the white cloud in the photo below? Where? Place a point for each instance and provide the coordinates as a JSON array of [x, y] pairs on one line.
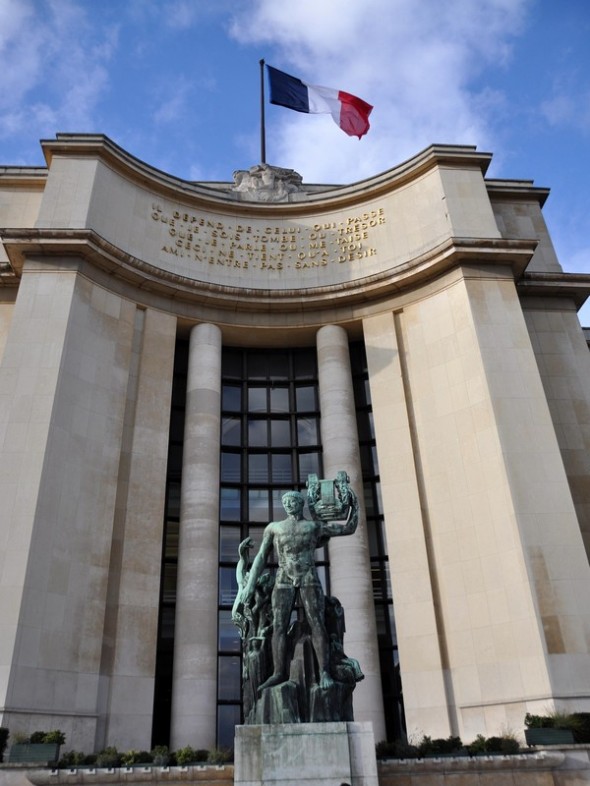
[[415, 61], [53, 65]]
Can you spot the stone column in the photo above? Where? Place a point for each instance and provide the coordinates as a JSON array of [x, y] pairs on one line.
[[194, 689], [350, 569]]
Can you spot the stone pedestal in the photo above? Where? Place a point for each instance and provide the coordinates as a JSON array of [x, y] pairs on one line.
[[322, 754]]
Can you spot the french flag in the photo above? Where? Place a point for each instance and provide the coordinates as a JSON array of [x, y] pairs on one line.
[[348, 111]]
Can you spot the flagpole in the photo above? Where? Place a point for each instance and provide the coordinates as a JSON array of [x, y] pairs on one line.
[[262, 128]]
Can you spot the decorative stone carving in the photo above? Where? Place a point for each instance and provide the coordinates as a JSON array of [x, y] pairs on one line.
[[266, 183], [296, 671]]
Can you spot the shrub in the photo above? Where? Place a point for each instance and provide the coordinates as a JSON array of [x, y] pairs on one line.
[[72, 759], [3, 740], [109, 757], [161, 755], [185, 755], [54, 737], [538, 721], [438, 747], [220, 756], [135, 757], [477, 746], [505, 745], [201, 754]]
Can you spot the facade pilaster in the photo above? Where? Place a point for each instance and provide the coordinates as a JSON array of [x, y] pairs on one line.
[[194, 689], [417, 627], [350, 569], [131, 628]]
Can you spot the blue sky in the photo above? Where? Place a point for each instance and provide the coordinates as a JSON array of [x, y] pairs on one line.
[[176, 83]]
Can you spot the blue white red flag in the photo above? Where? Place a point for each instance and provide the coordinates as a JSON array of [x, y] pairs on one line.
[[348, 111]]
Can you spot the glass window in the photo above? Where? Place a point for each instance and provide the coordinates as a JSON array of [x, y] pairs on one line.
[[382, 619], [369, 502], [307, 432], [379, 500], [228, 717], [257, 400], [258, 505], [231, 432], [174, 459], [278, 511], [258, 365], [374, 547], [308, 463], [173, 499], [228, 586], [177, 425], [257, 433], [256, 533], [375, 460], [279, 399], [178, 393], [231, 363], [230, 467], [371, 425], [280, 433], [281, 468], [230, 505], [229, 540], [377, 581], [229, 678], [258, 468], [229, 637], [278, 365], [364, 426], [304, 365], [167, 622], [171, 547], [169, 588], [305, 398], [231, 398], [323, 577]]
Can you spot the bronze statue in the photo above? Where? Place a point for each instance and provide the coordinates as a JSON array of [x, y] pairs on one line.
[[263, 610]]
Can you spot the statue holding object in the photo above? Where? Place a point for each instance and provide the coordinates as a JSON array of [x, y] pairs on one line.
[[296, 671]]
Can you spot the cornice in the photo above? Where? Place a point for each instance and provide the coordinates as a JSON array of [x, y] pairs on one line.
[[513, 190], [575, 286], [24, 176], [55, 245], [318, 199]]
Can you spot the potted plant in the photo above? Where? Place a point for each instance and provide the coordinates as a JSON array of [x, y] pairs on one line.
[[554, 729], [42, 747]]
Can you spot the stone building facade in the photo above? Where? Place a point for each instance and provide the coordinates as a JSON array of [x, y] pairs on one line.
[[174, 355]]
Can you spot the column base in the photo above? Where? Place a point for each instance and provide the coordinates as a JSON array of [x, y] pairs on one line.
[[322, 754]]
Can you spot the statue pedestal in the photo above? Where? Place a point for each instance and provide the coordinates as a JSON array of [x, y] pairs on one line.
[[295, 754]]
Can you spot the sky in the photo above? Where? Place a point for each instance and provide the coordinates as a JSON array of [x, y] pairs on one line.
[[176, 83]]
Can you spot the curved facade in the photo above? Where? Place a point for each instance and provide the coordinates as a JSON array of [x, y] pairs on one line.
[[174, 355]]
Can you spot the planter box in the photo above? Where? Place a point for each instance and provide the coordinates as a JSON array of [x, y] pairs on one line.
[[549, 736], [33, 753]]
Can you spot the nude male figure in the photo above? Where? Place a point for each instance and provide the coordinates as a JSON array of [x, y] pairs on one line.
[[295, 540]]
